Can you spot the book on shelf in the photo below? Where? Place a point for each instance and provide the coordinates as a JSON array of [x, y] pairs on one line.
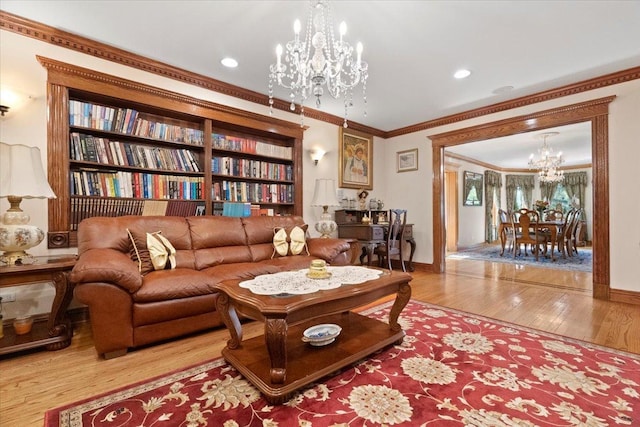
[[236, 209]]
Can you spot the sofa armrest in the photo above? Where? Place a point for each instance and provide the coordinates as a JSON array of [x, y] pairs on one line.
[[109, 266], [327, 248]]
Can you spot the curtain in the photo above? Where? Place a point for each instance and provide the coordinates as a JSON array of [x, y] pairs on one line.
[[548, 189], [576, 184], [525, 182], [492, 184]]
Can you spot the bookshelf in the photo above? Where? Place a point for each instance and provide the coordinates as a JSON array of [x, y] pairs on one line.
[[118, 147]]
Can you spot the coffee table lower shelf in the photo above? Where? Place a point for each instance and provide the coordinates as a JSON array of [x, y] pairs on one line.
[[360, 337]]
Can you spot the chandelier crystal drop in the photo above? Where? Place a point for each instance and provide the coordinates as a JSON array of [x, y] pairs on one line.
[[318, 62], [548, 163]]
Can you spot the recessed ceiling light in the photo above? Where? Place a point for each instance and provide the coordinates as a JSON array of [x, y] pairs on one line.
[[229, 62], [461, 74]]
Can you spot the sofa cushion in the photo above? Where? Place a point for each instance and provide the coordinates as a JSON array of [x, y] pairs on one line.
[[291, 241], [179, 283]]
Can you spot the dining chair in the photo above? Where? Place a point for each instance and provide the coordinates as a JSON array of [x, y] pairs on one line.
[[395, 239], [577, 217], [553, 215], [525, 222], [563, 234], [506, 231]]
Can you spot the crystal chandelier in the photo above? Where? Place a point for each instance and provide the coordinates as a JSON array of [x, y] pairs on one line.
[[549, 163], [318, 61]]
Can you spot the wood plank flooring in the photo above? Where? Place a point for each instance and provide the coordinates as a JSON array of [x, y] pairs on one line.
[[551, 300]]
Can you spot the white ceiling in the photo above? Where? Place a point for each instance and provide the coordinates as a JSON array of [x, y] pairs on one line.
[[412, 47]]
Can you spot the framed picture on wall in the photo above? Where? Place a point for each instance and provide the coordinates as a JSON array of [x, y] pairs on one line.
[[356, 160], [407, 160], [472, 191]]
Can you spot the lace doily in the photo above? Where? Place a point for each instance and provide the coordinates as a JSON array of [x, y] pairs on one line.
[[297, 282]]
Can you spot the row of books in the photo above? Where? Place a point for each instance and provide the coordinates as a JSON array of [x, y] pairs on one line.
[[246, 168], [87, 207], [252, 192], [135, 184], [246, 145], [102, 150], [241, 209], [129, 121]]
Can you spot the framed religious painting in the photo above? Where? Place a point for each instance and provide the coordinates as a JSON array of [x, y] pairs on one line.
[[356, 160], [472, 191]]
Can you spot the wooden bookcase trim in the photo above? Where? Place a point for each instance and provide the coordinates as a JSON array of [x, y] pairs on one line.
[[66, 81]]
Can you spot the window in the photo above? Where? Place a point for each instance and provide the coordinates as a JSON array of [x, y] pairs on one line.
[[519, 202], [560, 199]]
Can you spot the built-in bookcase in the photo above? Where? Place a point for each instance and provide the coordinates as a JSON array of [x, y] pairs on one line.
[[118, 147]]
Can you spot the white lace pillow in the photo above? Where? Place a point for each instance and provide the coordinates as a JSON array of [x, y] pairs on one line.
[[290, 243]]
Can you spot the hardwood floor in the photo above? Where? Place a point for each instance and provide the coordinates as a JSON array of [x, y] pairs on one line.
[[551, 300]]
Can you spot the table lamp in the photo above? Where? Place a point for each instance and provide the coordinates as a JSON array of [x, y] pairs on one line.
[[325, 196], [21, 177]]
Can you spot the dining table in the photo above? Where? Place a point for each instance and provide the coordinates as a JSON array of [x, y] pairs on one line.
[[555, 228]]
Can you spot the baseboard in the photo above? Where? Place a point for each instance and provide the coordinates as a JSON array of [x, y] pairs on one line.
[[628, 297]]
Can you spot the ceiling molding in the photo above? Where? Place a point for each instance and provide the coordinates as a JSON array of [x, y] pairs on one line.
[[65, 39], [572, 89], [48, 34]]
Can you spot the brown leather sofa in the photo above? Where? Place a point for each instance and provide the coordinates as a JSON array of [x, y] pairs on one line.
[[128, 309]]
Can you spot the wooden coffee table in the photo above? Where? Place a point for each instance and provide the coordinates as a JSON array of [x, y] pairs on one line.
[[278, 362]]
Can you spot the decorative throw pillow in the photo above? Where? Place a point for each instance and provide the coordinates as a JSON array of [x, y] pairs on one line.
[[161, 251], [291, 243], [142, 246]]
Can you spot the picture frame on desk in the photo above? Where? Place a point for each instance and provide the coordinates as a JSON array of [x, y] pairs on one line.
[[407, 160], [355, 160]]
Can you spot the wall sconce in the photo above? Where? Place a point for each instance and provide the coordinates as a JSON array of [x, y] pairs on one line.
[[316, 155], [11, 99]]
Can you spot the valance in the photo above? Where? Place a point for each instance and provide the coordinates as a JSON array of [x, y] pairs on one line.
[[522, 181], [576, 178], [493, 179]]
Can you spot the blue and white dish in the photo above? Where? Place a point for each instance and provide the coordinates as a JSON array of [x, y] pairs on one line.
[[320, 335]]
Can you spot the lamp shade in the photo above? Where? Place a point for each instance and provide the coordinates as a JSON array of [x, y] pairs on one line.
[[22, 174], [325, 193]]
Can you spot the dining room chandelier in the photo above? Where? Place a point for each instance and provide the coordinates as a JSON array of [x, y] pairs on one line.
[[548, 163], [318, 62]]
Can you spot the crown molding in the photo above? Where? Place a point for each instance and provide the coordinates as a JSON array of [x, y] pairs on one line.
[[48, 34]]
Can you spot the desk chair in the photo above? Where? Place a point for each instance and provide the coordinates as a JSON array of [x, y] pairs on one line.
[[395, 239]]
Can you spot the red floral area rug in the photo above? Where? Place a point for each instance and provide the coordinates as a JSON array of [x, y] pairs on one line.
[[453, 369]]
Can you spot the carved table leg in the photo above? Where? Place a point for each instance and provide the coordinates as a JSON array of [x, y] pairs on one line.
[[230, 319], [275, 332], [412, 243], [59, 323], [402, 298]]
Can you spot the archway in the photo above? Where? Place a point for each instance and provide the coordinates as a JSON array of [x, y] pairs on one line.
[[596, 112]]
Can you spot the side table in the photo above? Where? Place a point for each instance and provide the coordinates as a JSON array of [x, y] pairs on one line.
[[55, 333]]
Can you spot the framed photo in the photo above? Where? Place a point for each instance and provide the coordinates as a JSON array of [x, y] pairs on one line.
[[472, 192], [356, 160], [407, 160]]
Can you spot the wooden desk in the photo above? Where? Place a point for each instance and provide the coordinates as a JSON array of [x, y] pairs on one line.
[[56, 332], [371, 235]]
